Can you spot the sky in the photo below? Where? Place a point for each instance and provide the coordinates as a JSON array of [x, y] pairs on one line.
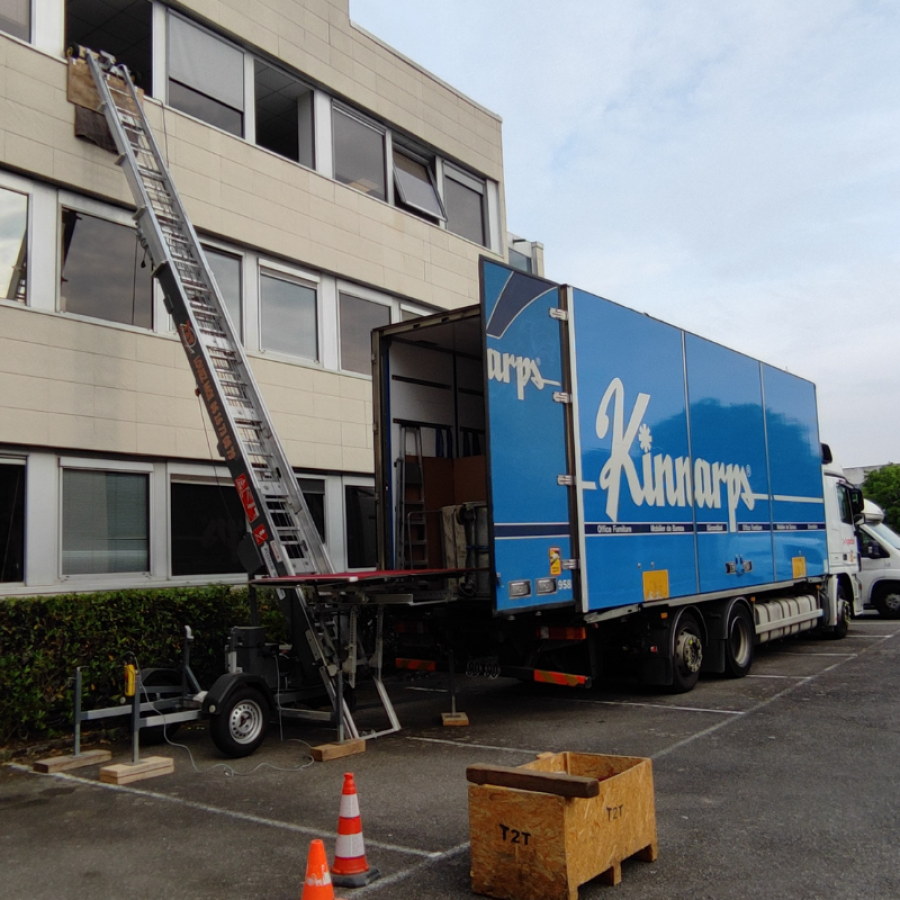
[[732, 168]]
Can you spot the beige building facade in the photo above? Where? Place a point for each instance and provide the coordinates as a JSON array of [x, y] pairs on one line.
[[336, 185]]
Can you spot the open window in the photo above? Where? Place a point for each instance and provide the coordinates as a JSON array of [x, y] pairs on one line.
[[15, 18], [414, 186], [360, 518], [13, 244], [123, 28], [104, 271], [12, 519], [358, 153], [206, 76], [284, 113]]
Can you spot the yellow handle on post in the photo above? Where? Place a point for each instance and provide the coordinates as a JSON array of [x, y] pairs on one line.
[[130, 680]]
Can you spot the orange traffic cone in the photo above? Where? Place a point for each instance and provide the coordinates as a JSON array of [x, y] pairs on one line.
[[317, 885], [350, 868]]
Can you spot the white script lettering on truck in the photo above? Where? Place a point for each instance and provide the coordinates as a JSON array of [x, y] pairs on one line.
[[500, 365], [662, 481]]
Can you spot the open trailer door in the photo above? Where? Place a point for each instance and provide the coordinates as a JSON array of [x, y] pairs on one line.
[[528, 439]]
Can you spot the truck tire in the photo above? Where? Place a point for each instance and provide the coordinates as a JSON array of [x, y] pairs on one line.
[[687, 654], [887, 601], [739, 642], [240, 725], [844, 614]]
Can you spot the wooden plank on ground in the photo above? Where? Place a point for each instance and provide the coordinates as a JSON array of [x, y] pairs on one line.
[[149, 767], [325, 752], [451, 719], [558, 783], [53, 764]]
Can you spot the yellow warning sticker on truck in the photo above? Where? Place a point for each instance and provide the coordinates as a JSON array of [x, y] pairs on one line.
[[555, 561], [656, 584], [798, 564]]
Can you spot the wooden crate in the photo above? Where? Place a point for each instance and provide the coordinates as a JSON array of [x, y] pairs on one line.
[[540, 830]]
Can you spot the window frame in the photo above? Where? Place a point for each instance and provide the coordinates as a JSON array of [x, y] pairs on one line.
[[362, 119], [241, 256], [478, 185], [303, 278], [370, 296], [8, 459], [398, 146], [345, 482], [117, 216], [16, 185], [121, 467]]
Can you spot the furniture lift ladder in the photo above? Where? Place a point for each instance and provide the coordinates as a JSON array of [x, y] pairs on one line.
[[283, 530]]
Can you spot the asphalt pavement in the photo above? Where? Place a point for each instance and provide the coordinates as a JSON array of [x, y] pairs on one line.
[[780, 785]]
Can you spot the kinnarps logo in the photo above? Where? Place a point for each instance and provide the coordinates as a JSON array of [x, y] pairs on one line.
[[501, 366], [662, 481]]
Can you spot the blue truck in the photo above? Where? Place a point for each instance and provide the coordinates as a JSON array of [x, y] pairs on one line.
[[623, 496]]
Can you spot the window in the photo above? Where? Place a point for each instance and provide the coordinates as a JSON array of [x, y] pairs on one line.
[[361, 532], [358, 318], [120, 27], [313, 490], [414, 186], [227, 271], [105, 522], [13, 244], [104, 273], [288, 322], [519, 261], [464, 202], [15, 18], [358, 154], [206, 76], [284, 114], [12, 520], [208, 522]]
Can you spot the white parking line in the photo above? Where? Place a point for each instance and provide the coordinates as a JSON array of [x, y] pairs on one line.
[[403, 874], [227, 813], [467, 745], [775, 676]]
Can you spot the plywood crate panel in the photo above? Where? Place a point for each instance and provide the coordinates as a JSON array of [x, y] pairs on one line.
[[534, 844]]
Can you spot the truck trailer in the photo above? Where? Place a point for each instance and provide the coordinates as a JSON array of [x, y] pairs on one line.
[[625, 495]]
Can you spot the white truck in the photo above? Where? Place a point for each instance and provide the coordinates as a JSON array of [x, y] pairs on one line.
[[879, 557]]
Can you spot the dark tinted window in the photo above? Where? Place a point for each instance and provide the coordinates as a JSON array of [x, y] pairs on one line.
[[202, 107], [13, 244], [314, 493], [288, 314], [104, 271], [360, 512], [227, 271], [207, 524], [12, 523], [465, 210]]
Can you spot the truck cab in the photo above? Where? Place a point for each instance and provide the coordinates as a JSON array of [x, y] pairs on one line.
[[879, 557]]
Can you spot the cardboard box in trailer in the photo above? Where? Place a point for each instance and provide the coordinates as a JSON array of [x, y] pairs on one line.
[[626, 493]]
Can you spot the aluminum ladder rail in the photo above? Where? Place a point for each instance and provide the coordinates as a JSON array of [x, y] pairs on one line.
[[283, 530]]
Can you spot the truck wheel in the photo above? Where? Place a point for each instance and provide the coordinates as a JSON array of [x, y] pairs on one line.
[[239, 727], [844, 613], [887, 601], [687, 655], [739, 643]]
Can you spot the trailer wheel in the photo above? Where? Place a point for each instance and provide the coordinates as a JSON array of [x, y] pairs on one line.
[[844, 614], [239, 727], [887, 601], [687, 655], [739, 642]]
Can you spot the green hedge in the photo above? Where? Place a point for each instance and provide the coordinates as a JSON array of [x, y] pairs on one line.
[[43, 640]]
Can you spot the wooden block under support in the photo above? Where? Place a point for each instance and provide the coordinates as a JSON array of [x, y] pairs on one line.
[[63, 763], [325, 752], [149, 767], [457, 718]]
